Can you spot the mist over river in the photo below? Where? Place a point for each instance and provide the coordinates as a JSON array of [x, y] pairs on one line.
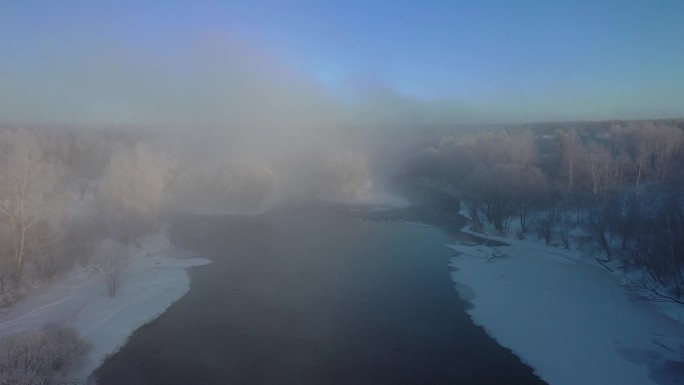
[[316, 294]]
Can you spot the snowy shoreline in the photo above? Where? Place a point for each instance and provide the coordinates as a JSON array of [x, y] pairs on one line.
[[155, 278], [570, 320]]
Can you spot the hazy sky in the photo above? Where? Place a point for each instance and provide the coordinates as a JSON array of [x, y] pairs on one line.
[[215, 61]]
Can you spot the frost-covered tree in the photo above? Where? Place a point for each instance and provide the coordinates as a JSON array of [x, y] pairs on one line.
[[599, 164], [30, 202], [344, 174], [528, 188], [246, 185], [229, 186], [657, 148], [571, 155], [132, 191]]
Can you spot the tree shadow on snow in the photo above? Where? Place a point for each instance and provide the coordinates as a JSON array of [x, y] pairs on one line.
[[661, 370]]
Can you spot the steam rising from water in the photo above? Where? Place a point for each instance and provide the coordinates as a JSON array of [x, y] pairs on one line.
[[244, 129]]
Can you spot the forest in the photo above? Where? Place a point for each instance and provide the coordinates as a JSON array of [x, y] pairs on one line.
[[73, 196], [84, 197], [619, 183]]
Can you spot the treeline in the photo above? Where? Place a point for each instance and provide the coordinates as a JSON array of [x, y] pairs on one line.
[[619, 181], [63, 190], [83, 195]]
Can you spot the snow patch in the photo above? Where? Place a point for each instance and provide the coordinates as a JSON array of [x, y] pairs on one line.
[[155, 278], [571, 320]]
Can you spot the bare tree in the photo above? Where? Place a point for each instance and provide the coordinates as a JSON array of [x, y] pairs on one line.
[[625, 213], [650, 289], [659, 240], [599, 165], [546, 221], [523, 149], [528, 187], [571, 153], [28, 197], [488, 189], [652, 147], [112, 260], [661, 144], [598, 226], [476, 222]]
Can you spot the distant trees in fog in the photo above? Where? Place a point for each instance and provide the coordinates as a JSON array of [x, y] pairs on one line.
[[46, 224], [248, 185], [227, 186], [63, 189], [623, 179], [31, 204], [132, 191], [497, 174], [343, 174], [617, 181]]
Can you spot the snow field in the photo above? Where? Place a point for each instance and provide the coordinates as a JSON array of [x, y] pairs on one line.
[[570, 320], [154, 279]]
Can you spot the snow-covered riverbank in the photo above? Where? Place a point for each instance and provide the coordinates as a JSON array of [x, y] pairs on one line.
[[569, 319], [155, 278]]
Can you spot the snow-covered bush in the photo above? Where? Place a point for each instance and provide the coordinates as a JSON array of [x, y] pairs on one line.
[[40, 357]]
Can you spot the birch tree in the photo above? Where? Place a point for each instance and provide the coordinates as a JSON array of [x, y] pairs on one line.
[[28, 198]]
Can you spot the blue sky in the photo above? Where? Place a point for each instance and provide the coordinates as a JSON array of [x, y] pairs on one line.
[[499, 60]]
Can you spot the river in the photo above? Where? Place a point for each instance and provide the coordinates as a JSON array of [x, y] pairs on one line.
[[316, 294]]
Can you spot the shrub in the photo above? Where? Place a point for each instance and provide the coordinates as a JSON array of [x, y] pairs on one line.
[[40, 357]]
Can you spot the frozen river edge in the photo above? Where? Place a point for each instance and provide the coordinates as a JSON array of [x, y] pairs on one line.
[[570, 320], [155, 278]]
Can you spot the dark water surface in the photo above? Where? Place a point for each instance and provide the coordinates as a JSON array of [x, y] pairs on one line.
[[311, 295]]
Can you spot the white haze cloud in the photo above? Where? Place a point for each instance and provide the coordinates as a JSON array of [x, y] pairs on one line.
[[206, 79], [209, 81]]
